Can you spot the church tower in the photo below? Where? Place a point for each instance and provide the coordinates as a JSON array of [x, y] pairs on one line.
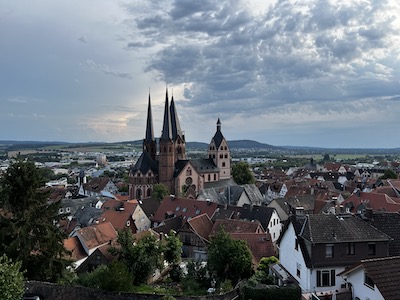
[[149, 142], [177, 134], [167, 150], [218, 151]]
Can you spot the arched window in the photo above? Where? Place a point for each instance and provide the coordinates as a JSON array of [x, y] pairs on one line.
[[138, 194], [148, 192], [189, 172]]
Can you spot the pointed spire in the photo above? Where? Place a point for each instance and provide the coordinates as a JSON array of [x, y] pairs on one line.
[[149, 125], [167, 130], [219, 125], [176, 127]]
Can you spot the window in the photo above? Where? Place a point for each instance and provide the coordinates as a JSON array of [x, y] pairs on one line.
[[177, 208], [221, 156], [326, 278], [223, 164], [350, 248], [68, 209], [329, 250], [197, 212], [368, 281], [61, 210], [184, 209], [371, 249]]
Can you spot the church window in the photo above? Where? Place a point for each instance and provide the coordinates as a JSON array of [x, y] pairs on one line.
[[215, 177], [213, 155], [209, 177], [226, 148], [226, 155], [223, 164], [189, 172], [221, 156], [209, 156]]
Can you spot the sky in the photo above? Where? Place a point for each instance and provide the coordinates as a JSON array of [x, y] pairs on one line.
[[301, 73]]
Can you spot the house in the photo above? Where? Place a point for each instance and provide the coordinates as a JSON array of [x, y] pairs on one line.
[[315, 248], [99, 186], [86, 240], [194, 235], [388, 223], [251, 232], [119, 214], [376, 279], [267, 216]]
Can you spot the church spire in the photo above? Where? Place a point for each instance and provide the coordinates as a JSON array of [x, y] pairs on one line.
[[167, 129], [149, 142], [149, 125], [175, 125]]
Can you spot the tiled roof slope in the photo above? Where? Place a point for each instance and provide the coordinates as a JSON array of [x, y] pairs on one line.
[[236, 226], [259, 243], [389, 224], [187, 208], [96, 235], [323, 228], [260, 213], [202, 225]]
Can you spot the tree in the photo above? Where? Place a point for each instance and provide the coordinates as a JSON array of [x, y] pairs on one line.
[[159, 191], [389, 174], [12, 285], [142, 258], [27, 230], [229, 258], [172, 251], [242, 174], [114, 277]]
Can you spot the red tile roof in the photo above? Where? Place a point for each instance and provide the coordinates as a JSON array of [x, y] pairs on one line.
[[202, 225], [73, 245], [97, 235], [378, 202], [187, 208], [236, 226], [260, 244]]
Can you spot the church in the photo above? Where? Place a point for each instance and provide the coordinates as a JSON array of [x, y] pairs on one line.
[[166, 163]]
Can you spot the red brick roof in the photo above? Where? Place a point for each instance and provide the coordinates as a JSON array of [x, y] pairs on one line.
[[73, 245], [202, 225], [97, 235], [378, 202], [187, 208], [236, 226], [260, 244]]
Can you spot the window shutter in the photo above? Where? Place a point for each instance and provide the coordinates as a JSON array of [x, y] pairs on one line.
[[333, 278]]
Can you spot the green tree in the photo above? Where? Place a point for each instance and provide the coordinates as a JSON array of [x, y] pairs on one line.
[[159, 191], [12, 284], [172, 251], [27, 230], [229, 258], [242, 174], [389, 174], [114, 277], [142, 258], [265, 262]]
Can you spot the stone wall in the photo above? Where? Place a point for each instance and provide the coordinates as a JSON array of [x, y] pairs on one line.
[[64, 292]]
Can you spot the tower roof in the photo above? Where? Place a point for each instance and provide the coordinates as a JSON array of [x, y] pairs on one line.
[[149, 137], [175, 125], [218, 137], [167, 128]]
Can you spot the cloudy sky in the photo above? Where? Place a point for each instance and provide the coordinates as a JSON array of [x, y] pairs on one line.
[[306, 73]]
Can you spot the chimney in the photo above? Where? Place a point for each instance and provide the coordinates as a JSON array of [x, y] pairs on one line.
[[368, 213]]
